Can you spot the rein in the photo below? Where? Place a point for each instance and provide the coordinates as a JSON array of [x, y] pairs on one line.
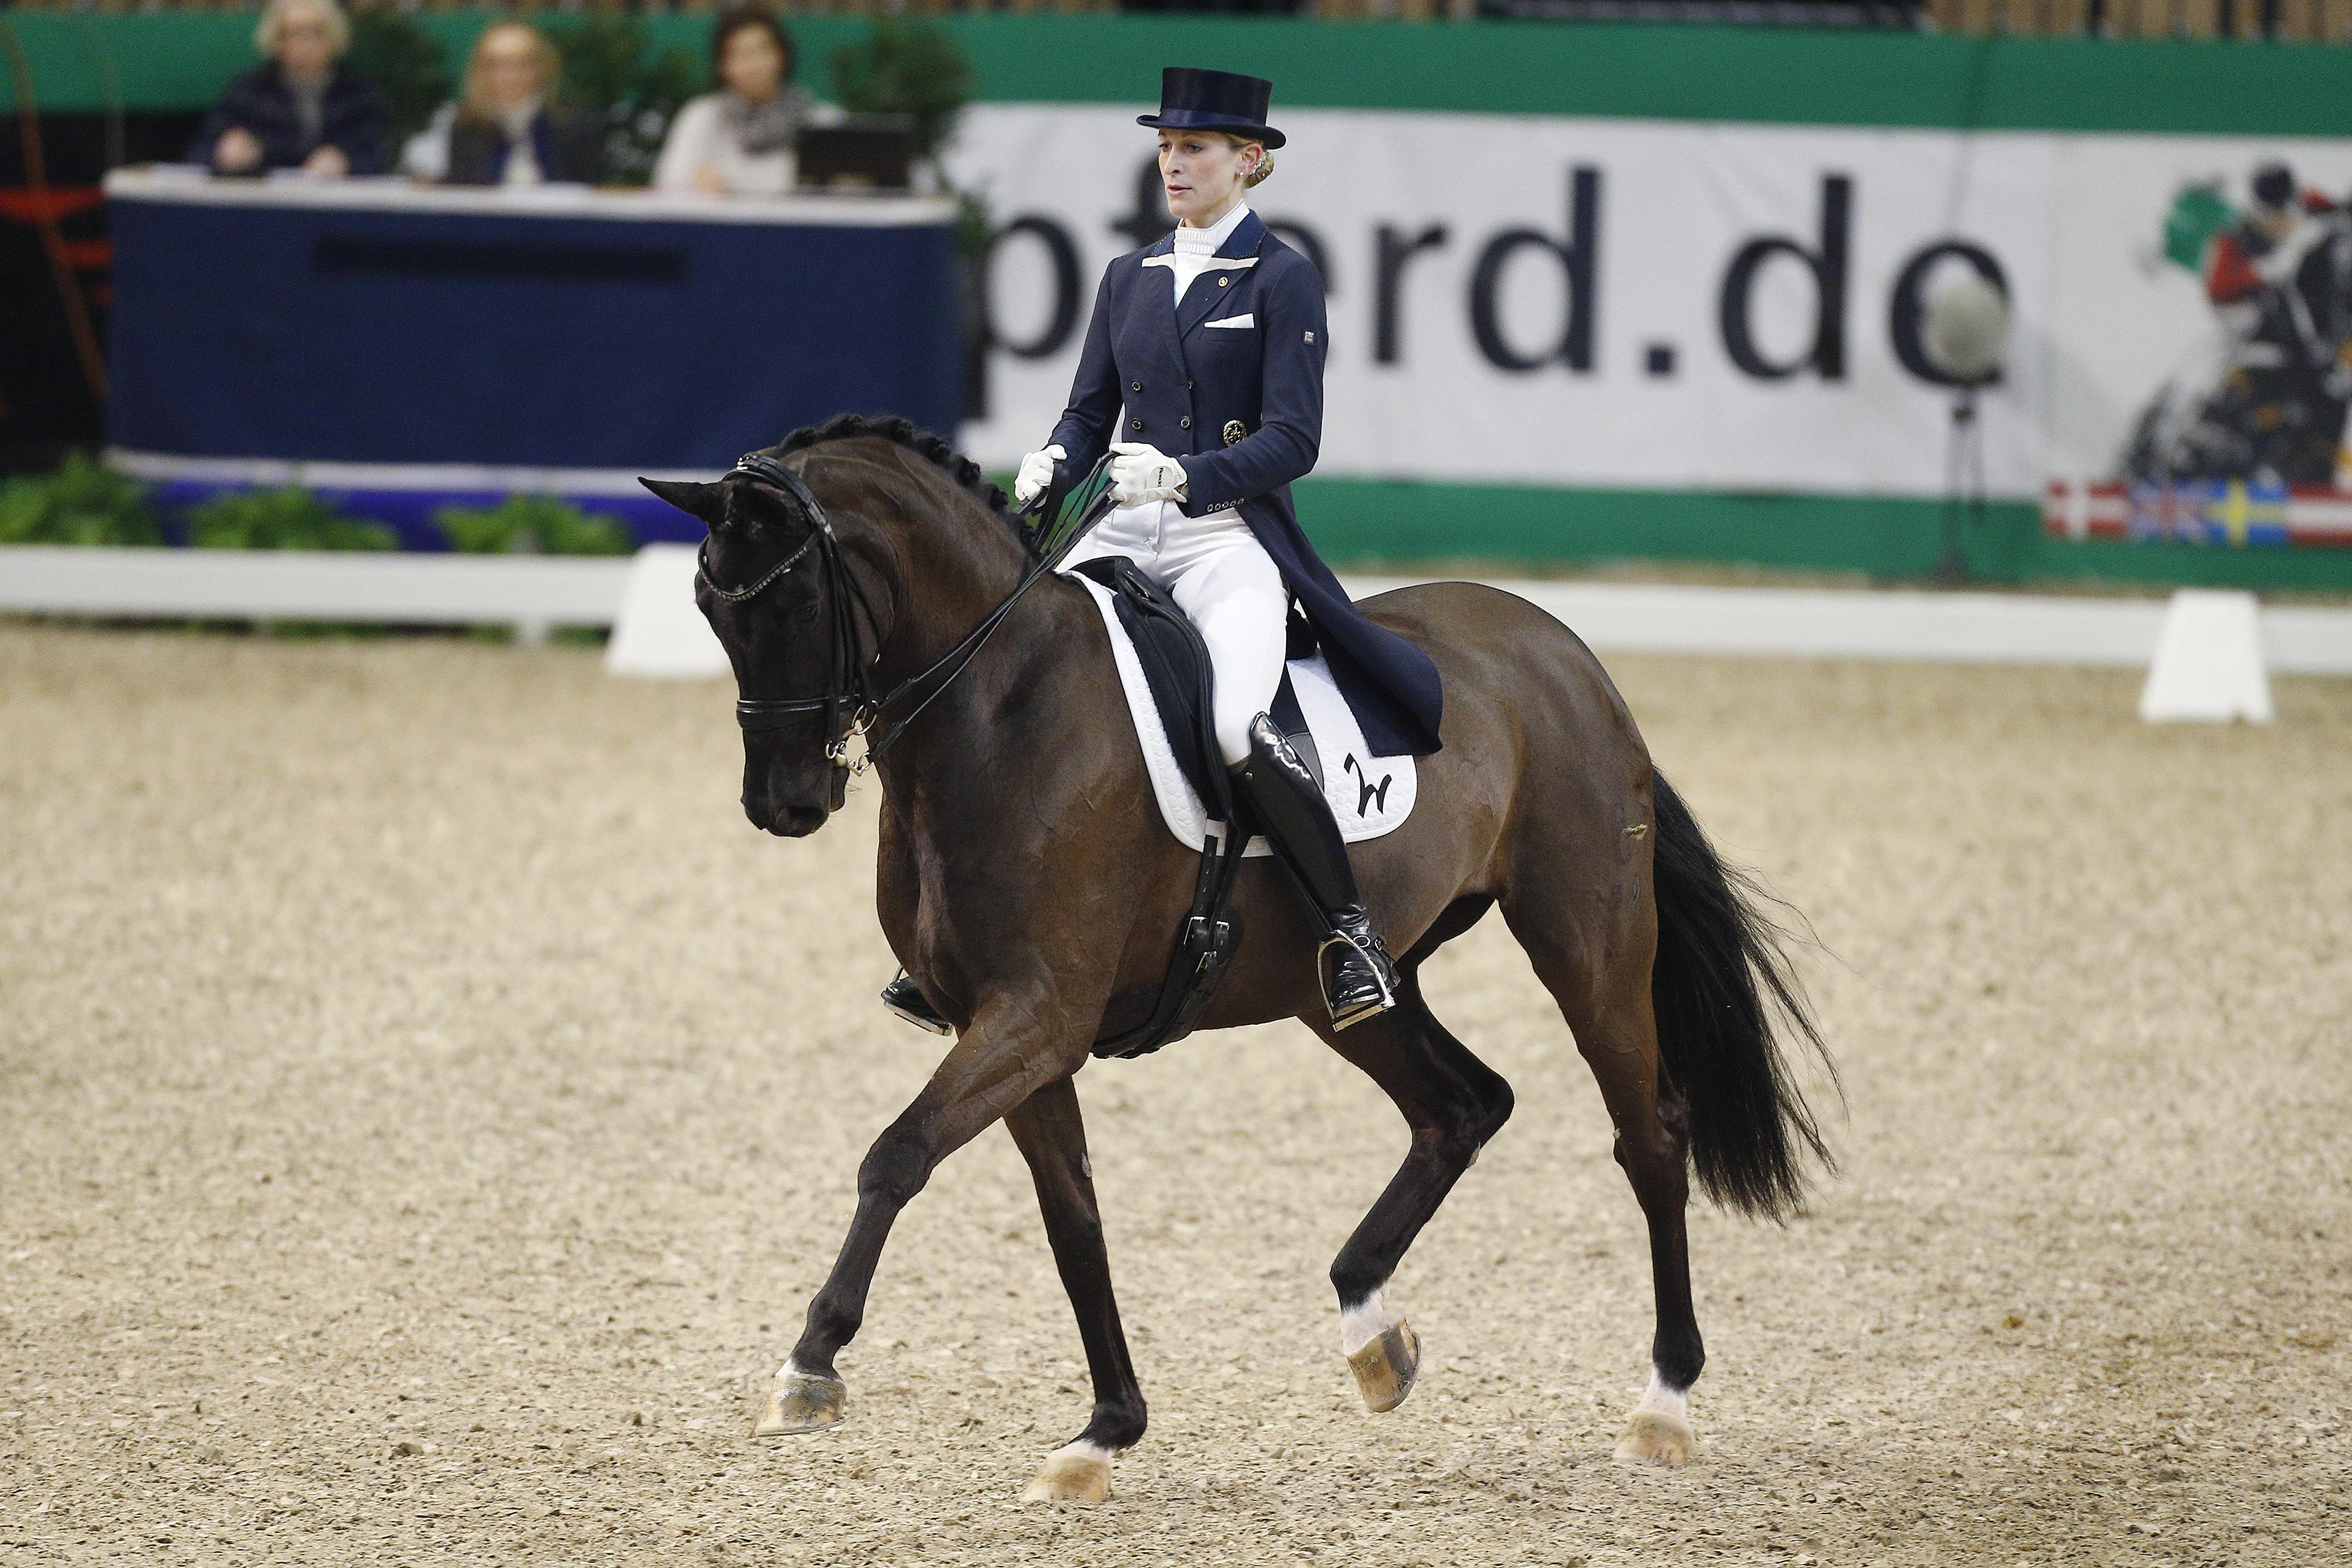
[[849, 708]]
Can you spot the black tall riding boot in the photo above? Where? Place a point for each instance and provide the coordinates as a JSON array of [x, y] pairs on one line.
[[1353, 964]]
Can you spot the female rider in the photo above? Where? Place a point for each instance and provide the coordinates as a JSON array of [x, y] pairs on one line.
[[1203, 375]]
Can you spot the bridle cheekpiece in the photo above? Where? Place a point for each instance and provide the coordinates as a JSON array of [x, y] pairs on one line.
[[848, 709]]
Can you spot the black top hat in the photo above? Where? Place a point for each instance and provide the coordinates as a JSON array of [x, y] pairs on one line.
[[1214, 100]]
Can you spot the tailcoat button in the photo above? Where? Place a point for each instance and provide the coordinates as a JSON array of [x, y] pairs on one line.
[[1134, 424], [1135, 386], [1186, 422], [1224, 281]]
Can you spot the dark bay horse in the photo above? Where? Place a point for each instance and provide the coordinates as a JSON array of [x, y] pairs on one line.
[[1028, 882]]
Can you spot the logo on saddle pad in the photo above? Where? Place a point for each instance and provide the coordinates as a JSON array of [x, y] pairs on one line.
[[1368, 793]]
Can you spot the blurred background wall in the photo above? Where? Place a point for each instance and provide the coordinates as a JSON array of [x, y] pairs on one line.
[[2039, 124]]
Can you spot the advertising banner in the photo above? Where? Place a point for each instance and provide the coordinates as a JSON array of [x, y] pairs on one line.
[[1677, 306], [1570, 303]]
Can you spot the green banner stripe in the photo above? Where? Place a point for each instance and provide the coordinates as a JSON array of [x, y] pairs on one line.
[[1368, 524], [1770, 75]]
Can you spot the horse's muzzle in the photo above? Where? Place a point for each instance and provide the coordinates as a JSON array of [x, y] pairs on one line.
[[787, 795], [786, 822]]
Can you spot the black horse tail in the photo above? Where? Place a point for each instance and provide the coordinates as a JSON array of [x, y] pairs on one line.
[[1719, 975]]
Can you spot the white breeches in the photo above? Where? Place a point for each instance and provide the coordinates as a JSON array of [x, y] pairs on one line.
[[1221, 577]]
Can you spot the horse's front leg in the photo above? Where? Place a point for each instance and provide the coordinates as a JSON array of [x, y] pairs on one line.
[[1053, 1138], [1017, 1044]]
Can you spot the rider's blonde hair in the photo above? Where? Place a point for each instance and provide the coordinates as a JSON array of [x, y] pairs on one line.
[[1258, 175]]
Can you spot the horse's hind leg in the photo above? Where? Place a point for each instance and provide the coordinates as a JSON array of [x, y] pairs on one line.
[[1052, 1137], [1454, 1104], [1603, 987]]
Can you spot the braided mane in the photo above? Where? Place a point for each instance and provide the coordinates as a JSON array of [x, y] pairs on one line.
[[901, 431]]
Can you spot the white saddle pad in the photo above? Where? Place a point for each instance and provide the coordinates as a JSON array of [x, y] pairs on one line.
[[1370, 796]]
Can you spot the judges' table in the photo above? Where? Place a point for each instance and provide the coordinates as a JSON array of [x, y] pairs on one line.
[[375, 336]]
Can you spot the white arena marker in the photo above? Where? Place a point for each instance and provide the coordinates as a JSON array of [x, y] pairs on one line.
[[659, 632], [2208, 661]]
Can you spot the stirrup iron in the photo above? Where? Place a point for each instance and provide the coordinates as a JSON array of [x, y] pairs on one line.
[[1351, 1005], [905, 999]]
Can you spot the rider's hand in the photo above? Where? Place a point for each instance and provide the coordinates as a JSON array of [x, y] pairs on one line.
[[1139, 473], [1036, 475]]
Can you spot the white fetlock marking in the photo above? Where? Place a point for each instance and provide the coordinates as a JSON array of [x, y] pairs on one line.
[[1661, 1400], [1360, 1324], [1082, 1449]]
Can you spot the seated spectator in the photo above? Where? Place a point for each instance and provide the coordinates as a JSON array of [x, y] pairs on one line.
[[305, 110], [741, 142], [504, 131]]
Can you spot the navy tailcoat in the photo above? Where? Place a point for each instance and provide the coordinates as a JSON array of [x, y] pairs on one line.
[[1241, 407]]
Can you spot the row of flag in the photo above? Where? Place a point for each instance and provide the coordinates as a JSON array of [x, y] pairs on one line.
[[2229, 512]]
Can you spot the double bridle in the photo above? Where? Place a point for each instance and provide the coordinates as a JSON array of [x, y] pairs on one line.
[[848, 704]]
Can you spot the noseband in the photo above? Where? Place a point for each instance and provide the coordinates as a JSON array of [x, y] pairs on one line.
[[848, 706]]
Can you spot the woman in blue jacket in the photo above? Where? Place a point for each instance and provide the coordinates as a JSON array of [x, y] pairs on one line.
[[1203, 375], [304, 109]]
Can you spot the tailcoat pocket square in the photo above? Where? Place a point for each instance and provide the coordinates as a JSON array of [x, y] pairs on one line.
[[1240, 320]]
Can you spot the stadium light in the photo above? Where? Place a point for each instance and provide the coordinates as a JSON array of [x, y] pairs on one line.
[[1966, 336]]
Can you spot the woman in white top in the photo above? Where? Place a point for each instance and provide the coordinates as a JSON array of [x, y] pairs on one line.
[[741, 141]]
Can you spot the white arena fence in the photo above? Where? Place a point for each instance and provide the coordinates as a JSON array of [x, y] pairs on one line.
[[648, 601], [310, 584]]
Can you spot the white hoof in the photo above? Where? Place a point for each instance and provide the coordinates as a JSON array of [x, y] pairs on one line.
[[1079, 1473], [1653, 1438]]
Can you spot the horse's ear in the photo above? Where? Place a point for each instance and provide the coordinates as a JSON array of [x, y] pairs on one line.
[[696, 500]]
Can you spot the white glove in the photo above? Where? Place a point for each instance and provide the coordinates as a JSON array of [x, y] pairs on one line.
[[1036, 475], [1139, 473]]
